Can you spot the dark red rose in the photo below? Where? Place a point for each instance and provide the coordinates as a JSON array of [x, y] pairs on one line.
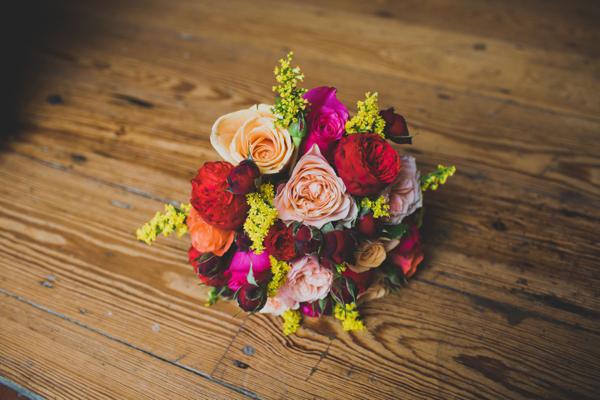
[[280, 241], [338, 247], [251, 297], [308, 240], [363, 280], [243, 241], [395, 127], [366, 163], [241, 177], [216, 205], [369, 226], [314, 310], [210, 272], [409, 252]]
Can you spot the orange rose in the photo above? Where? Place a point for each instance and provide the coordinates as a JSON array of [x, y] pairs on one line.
[[238, 134], [207, 239], [314, 194]]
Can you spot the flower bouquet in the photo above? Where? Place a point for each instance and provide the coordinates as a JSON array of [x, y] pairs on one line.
[[311, 213]]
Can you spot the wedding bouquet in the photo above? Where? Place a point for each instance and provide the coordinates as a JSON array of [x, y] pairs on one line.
[[311, 213]]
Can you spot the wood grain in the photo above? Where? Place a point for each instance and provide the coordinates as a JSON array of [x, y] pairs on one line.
[[114, 121]]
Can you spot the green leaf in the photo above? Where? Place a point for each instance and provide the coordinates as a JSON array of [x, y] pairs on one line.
[[396, 231], [250, 276], [328, 227], [203, 257]]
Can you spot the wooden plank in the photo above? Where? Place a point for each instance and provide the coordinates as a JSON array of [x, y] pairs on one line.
[[69, 244], [57, 358], [427, 342], [448, 59]]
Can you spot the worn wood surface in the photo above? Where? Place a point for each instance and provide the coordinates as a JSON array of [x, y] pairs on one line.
[[112, 112]]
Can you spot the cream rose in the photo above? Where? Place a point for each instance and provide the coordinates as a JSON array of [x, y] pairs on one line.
[[279, 304], [368, 255], [307, 280], [314, 194], [404, 195], [236, 135]]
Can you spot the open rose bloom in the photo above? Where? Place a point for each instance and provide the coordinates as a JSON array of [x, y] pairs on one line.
[[311, 212]]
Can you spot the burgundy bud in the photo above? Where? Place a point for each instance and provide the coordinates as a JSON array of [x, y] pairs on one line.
[[338, 246], [243, 241], [369, 226], [211, 267], [395, 127], [344, 290], [317, 308], [241, 177], [251, 297], [362, 280], [308, 240]]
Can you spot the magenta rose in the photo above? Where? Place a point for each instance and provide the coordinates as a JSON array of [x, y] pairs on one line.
[[240, 266], [326, 121]]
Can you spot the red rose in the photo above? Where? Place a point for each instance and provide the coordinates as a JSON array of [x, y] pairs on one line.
[[216, 205], [338, 246], [369, 226], [366, 163], [241, 177], [409, 252], [210, 272], [395, 127], [363, 280], [308, 240], [280, 241]]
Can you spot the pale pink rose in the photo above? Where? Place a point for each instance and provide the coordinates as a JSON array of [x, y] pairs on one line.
[[404, 195], [314, 194], [251, 132], [279, 304], [307, 280]]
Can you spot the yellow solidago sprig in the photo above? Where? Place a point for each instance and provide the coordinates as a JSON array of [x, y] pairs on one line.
[[438, 177], [291, 321], [380, 207], [367, 118], [261, 217], [349, 317], [291, 101], [173, 220], [279, 269]]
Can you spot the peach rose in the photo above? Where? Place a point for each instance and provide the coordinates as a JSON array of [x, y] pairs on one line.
[[377, 289], [207, 239], [404, 194], [368, 255], [279, 304], [314, 194], [307, 280], [251, 131]]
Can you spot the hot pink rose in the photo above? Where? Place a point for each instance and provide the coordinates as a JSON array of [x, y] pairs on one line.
[[307, 280], [314, 194], [240, 266], [404, 194], [326, 121], [279, 304]]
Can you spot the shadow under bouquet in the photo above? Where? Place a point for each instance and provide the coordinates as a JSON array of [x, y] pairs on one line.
[[312, 212]]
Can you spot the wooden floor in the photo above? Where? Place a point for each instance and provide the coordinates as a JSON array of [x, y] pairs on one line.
[[113, 107]]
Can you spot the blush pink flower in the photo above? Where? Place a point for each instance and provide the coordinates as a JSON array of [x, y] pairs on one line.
[[307, 280], [404, 195], [279, 304], [314, 194]]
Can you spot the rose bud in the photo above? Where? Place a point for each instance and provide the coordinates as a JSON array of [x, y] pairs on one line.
[[280, 241], [344, 290], [251, 297], [308, 240], [317, 308], [395, 127], [243, 241], [369, 226], [338, 247], [298, 129], [363, 279], [241, 177], [366, 163], [216, 205], [210, 271]]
